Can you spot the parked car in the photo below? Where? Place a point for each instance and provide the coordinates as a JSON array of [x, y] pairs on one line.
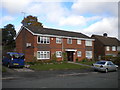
[[105, 66], [13, 59]]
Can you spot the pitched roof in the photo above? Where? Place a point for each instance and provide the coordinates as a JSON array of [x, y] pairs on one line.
[[49, 31], [107, 40]]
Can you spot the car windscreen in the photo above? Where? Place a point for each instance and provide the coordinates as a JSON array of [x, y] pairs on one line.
[[17, 56], [99, 62]]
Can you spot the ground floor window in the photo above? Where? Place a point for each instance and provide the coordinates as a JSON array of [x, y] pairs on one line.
[[58, 54], [89, 54], [79, 54], [43, 55]]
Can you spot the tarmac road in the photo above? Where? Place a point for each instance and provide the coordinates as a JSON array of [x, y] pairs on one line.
[[60, 79]]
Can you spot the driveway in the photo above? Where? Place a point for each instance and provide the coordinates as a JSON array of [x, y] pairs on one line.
[[86, 78]]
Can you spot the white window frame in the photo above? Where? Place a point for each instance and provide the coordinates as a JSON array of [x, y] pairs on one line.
[[107, 48], [44, 38], [58, 40], [89, 56], [69, 41], [113, 48], [79, 54], [58, 54], [43, 55], [88, 43], [79, 41]]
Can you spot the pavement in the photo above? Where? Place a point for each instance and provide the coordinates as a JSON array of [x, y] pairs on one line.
[[80, 64]]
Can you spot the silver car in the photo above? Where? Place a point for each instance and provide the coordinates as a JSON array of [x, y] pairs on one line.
[[105, 66]]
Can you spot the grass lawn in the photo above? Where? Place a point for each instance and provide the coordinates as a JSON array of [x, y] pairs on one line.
[[3, 69], [87, 62], [57, 66]]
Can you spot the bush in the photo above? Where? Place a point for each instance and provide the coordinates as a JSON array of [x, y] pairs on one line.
[[34, 59], [64, 54], [116, 60], [76, 59], [107, 57], [54, 58], [85, 60]]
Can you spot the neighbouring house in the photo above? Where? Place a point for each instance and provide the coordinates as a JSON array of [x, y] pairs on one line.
[[104, 46], [42, 43]]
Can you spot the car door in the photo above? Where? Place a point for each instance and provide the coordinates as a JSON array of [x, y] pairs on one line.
[[109, 66], [113, 67]]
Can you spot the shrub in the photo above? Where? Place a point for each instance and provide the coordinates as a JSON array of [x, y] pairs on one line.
[[54, 58], [116, 60], [64, 54], [85, 60], [107, 57], [34, 59], [76, 59]]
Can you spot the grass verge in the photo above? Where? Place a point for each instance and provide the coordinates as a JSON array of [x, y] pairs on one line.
[[86, 62], [62, 66], [4, 69]]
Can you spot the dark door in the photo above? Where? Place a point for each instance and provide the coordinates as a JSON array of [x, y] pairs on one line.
[[70, 56]]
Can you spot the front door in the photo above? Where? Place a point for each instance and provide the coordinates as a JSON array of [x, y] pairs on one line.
[[70, 55]]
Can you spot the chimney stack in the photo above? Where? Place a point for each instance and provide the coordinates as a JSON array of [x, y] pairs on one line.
[[105, 34]]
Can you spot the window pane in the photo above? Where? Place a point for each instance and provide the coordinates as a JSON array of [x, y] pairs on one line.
[[113, 48], [69, 40], [78, 41], [89, 54], [38, 54], [79, 53], [107, 48], [38, 38], [88, 43], [58, 40]]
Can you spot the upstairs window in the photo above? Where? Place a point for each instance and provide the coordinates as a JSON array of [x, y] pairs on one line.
[[88, 43], [78, 41], [58, 40], [69, 41], [43, 40], [107, 48], [113, 48]]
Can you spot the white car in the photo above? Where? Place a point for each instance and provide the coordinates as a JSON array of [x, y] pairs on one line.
[[105, 66]]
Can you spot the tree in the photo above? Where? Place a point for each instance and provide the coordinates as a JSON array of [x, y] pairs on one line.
[[8, 34], [31, 20]]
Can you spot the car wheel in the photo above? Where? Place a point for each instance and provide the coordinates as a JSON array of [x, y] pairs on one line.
[[106, 70], [8, 65]]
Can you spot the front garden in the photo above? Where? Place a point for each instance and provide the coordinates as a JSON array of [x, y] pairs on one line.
[[56, 66]]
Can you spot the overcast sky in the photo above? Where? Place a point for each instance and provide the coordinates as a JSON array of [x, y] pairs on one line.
[[71, 15]]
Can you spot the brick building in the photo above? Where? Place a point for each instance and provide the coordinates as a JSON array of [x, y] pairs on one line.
[[104, 46], [42, 43]]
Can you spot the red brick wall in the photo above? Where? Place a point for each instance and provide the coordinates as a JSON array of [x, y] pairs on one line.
[[23, 38]]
